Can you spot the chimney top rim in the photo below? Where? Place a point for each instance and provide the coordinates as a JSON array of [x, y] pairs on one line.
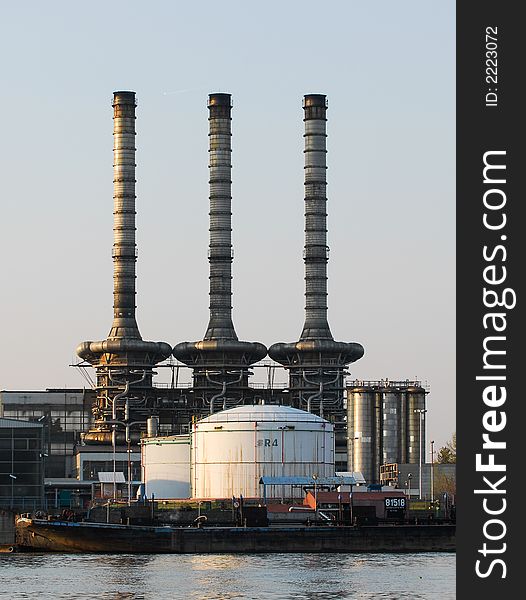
[[219, 99]]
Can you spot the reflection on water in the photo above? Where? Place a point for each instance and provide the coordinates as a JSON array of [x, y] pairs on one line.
[[228, 576]]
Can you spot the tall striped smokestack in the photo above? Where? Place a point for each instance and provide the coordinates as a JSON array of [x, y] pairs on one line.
[[316, 362], [316, 253], [124, 248], [220, 361], [124, 350], [220, 257]]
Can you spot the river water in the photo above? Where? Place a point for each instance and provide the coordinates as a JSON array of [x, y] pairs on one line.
[[228, 576]]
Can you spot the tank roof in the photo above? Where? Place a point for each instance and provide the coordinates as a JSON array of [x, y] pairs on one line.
[[265, 412]]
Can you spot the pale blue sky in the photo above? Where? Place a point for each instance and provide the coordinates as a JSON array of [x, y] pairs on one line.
[[389, 73]]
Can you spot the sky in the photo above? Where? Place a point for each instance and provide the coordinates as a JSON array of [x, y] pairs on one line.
[[388, 70]]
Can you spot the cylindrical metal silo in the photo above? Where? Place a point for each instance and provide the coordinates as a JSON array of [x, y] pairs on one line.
[[365, 439], [350, 431], [416, 403], [403, 427], [391, 426], [233, 449], [378, 431], [166, 466], [152, 426]]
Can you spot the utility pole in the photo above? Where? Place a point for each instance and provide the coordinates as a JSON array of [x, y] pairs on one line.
[[315, 477], [432, 473], [421, 412]]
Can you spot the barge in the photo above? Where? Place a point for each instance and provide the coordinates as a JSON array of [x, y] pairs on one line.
[[64, 536]]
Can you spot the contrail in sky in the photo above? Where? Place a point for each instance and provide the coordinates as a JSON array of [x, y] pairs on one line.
[[183, 91]]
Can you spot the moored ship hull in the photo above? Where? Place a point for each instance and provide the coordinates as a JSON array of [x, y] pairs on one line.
[[60, 536]]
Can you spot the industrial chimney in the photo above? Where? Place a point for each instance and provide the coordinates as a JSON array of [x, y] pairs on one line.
[[220, 362], [316, 362], [123, 362]]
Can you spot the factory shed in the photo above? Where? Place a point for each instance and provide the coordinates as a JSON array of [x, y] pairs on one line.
[[324, 500], [112, 483], [21, 464], [306, 483], [379, 505]]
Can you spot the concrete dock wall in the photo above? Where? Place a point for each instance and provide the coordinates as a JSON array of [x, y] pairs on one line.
[[7, 527]]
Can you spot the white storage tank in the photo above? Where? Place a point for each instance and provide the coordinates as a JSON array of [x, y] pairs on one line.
[[232, 449], [166, 466]]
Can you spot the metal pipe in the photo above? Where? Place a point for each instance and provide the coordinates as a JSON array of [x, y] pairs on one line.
[[319, 393], [152, 426], [224, 383], [220, 254], [420, 458], [118, 397], [93, 437], [421, 412], [432, 474], [218, 395]]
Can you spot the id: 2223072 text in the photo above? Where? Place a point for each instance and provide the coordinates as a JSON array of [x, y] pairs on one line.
[[491, 66]]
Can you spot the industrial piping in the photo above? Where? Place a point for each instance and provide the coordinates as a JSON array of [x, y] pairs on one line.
[[123, 356], [220, 359]]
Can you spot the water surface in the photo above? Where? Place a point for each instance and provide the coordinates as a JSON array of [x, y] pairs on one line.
[[422, 576]]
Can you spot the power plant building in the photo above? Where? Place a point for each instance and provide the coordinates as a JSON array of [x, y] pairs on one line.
[[63, 414], [21, 464], [220, 435]]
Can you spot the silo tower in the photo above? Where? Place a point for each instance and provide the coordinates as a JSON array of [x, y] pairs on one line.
[[316, 363], [123, 362], [220, 362]]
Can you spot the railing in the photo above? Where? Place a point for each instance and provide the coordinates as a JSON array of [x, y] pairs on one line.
[[261, 416], [22, 504], [265, 386], [387, 383], [186, 384]]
